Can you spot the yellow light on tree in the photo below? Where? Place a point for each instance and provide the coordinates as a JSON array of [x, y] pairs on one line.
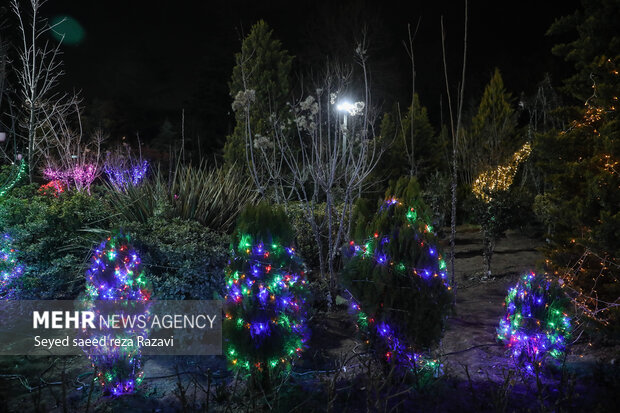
[[500, 178]]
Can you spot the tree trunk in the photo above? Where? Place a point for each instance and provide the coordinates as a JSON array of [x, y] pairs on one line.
[[487, 254]]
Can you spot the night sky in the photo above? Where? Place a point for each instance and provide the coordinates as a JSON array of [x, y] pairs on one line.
[[141, 62]]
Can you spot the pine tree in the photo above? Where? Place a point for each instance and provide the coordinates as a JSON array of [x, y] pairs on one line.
[[581, 202], [491, 138], [262, 67], [597, 39], [418, 154], [397, 279], [266, 294]]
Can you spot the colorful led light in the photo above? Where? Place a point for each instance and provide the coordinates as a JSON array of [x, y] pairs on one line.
[[265, 306], [10, 270], [381, 331], [122, 176], [536, 324], [115, 274]]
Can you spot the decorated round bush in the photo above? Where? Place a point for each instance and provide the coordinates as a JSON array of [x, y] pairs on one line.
[[266, 292], [397, 283], [10, 269], [116, 275], [536, 326]]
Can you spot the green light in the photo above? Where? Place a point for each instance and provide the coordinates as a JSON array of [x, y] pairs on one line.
[[20, 173], [67, 30]]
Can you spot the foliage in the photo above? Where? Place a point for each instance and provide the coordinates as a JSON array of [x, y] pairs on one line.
[[266, 295], [398, 275], [580, 163], [597, 39], [536, 324], [409, 154], [260, 80], [304, 235], [185, 259], [116, 274], [437, 196], [582, 197], [210, 196], [54, 236], [491, 138]]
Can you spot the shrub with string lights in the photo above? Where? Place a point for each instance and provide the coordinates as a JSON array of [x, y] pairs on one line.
[[266, 292], [536, 324], [116, 275], [10, 269], [397, 283], [52, 188], [127, 173]]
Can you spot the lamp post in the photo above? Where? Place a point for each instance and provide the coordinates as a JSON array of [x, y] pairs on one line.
[[348, 108]]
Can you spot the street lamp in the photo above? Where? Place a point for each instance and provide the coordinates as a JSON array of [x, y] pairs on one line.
[[348, 108]]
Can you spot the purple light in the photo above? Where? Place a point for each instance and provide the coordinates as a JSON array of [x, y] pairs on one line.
[[122, 176]]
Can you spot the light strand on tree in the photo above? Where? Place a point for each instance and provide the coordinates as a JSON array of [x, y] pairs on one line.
[[53, 188], [395, 348], [124, 176], [536, 323], [587, 301], [115, 274], [10, 269], [500, 178], [21, 171], [374, 248], [265, 306]]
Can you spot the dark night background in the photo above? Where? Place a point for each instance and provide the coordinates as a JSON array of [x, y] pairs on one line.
[[141, 62]]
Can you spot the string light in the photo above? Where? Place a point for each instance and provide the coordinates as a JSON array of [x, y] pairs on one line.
[[123, 176], [265, 306], [587, 299], [21, 171], [53, 188], [82, 175], [430, 268], [500, 178], [115, 274], [536, 323], [10, 269]]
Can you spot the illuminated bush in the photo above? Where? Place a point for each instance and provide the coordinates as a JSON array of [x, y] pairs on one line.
[[398, 282], [116, 274], [536, 324], [10, 269], [265, 310]]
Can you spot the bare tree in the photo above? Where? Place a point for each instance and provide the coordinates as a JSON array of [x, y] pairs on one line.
[[38, 71], [318, 156], [330, 160], [456, 131], [68, 155], [410, 146]]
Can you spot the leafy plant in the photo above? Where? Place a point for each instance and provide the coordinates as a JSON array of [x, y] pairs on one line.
[[210, 196], [185, 259], [54, 237]]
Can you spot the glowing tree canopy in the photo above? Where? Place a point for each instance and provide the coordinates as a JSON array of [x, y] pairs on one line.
[[116, 274], [500, 178], [124, 174], [536, 324], [398, 285], [265, 309], [10, 269]]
